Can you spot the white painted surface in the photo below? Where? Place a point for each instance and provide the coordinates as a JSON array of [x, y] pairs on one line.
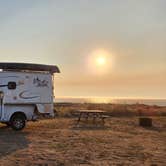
[[28, 110], [33, 89]]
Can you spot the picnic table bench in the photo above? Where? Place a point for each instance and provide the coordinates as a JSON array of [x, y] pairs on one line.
[[94, 114]]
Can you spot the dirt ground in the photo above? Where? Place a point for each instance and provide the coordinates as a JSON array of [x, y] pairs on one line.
[[60, 142]]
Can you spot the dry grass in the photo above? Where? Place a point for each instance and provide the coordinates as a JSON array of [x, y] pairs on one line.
[[59, 142], [117, 110]]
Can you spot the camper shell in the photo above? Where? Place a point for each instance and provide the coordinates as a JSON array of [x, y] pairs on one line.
[[26, 90]]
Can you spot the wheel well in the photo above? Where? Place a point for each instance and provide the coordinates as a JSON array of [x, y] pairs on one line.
[[19, 113], [36, 110]]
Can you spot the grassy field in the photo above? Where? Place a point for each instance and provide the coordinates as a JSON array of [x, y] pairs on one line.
[[60, 142], [116, 110]]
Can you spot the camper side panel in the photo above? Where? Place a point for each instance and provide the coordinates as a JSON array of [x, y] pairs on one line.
[[32, 88]]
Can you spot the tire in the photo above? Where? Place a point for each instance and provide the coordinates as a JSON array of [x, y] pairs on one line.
[[17, 122]]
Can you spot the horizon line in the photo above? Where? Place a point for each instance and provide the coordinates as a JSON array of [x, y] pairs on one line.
[[106, 97]]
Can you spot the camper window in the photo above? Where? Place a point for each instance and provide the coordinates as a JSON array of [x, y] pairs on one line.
[[12, 85]]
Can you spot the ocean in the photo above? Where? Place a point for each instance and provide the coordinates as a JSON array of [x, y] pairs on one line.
[[158, 102]]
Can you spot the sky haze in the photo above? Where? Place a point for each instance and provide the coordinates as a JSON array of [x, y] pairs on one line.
[[104, 48]]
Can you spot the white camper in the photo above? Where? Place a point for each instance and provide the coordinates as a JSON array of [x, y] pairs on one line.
[[26, 90]]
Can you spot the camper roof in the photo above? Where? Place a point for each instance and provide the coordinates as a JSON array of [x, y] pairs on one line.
[[29, 67]]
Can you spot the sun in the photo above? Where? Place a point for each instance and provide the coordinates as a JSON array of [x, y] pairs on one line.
[[101, 60]]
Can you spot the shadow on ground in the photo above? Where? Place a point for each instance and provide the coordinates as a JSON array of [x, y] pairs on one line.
[[89, 126], [11, 141], [154, 128]]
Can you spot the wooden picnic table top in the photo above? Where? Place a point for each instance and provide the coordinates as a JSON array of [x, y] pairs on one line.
[[91, 111]]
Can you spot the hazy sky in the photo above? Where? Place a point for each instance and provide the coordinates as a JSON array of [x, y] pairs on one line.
[[68, 32]]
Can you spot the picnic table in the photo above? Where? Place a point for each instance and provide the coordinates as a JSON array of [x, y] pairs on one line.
[[94, 114]]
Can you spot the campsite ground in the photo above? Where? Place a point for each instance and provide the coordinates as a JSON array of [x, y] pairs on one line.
[[60, 142]]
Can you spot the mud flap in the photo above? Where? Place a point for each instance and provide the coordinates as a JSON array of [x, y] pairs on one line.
[[46, 109]]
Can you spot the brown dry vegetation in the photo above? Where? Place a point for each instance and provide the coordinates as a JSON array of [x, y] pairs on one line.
[[60, 142], [117, 110]]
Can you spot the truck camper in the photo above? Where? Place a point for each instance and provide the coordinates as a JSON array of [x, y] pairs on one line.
[[26, 90]]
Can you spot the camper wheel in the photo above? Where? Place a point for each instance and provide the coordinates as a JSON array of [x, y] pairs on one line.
[[18, 121]]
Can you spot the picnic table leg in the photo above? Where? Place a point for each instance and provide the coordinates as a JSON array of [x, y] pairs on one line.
[[94, 118], [79, 118], [102, 119], [87, 116]]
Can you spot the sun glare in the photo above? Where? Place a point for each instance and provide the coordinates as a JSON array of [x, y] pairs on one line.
[[100, 61]]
